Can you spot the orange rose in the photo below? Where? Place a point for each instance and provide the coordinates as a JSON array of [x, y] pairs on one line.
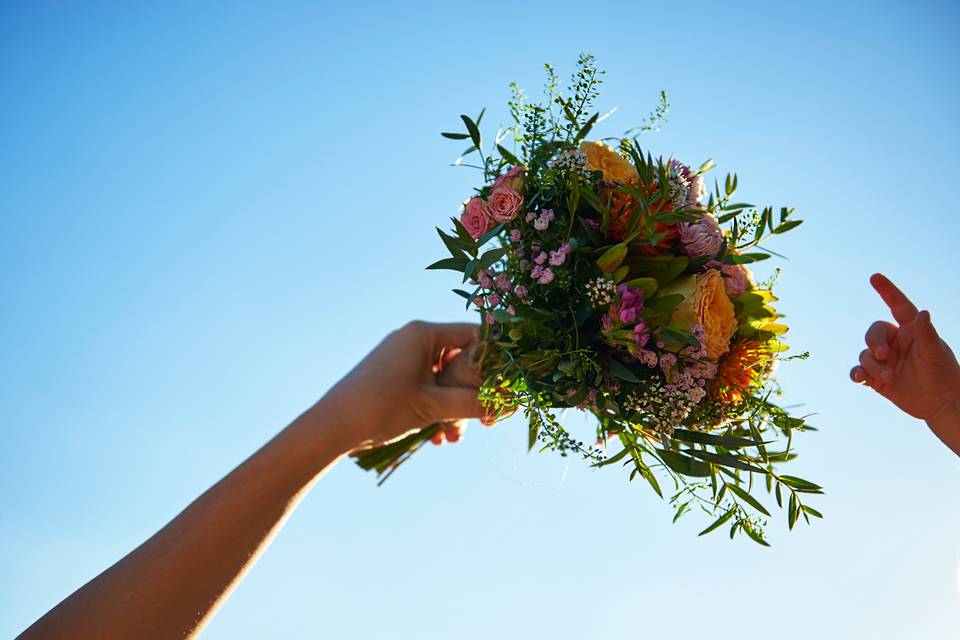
[[705, 302], [615, 167]]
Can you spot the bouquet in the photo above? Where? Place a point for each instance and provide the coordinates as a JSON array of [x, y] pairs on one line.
[[611, 281]]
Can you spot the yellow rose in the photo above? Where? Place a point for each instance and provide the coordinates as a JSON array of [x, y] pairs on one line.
[[705, 302], [615, 168]]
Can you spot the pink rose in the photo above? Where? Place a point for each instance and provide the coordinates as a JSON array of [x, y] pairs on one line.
[[512, 179], [475, 217], [504, 203]]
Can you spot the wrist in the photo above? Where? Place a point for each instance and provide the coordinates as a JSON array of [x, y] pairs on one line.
[[945, 423], [333, 423]]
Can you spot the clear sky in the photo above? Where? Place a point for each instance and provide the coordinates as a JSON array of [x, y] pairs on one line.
[[210, 211]]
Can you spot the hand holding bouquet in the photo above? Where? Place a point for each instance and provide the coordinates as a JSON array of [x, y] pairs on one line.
[[610, 281]]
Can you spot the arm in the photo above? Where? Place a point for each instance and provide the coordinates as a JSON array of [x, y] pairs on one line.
[[172, 584], [910, 365]]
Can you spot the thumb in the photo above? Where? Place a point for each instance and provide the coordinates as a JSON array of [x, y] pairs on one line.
[[928, 340], [454, 403]]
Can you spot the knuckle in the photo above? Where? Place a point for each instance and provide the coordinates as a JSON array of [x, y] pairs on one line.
[[414, 326], [412, 329]]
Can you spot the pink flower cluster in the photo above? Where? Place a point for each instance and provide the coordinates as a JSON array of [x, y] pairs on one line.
[[541, 221], [499, 287], [689, 376], [558, 257], [542, 275], [626, 312]]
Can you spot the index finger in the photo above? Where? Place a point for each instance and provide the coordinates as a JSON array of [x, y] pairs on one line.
[[900, 306]]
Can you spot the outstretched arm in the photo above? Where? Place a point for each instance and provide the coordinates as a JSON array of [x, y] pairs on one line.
[[172, 584], [910, 365]]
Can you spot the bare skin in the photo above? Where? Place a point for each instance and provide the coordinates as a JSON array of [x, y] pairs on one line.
[[172, 584], [911, 366]]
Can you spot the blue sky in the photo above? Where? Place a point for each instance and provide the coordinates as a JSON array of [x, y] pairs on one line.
[[210, 211]]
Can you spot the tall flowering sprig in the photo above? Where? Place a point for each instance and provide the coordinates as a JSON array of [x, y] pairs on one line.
[[609, 280]]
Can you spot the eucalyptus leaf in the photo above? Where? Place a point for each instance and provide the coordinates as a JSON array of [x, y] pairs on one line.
[[454, 264], [473, 130], [749, 499], [719, 522]]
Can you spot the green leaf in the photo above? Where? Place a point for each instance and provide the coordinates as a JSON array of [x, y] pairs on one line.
[[503, 317], [585, 129], [567, 366], [731, 184], [466, 239], [684, 465], [612, 258], [745, 258], [651, 479], [491, 256], [755, 536], [532, 432], [509, 157], [679, 335], [786, 226], [470, 269], [453, 244], [454, 264], [719, 522], [674, 268], [724, 460], [455, 136], [463, 294], [811, 511], [617, 457], [730, 442], [663, 304], [804, 486], [473, 130], [792, 510], [617, 370], [489, 235], [647, 285], [749, 499]]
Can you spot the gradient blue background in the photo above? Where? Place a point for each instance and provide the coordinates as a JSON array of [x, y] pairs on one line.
[[210, 211]]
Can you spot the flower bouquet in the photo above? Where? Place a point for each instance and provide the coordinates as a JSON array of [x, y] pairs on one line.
[[611, 281]]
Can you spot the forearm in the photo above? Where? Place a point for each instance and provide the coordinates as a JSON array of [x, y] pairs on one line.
[[946, 425], [171, 585]]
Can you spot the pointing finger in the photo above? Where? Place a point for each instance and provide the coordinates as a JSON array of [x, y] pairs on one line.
[[900, 306]]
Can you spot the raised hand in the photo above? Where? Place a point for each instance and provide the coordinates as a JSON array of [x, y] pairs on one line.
[[910, 365], [398, 387]]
